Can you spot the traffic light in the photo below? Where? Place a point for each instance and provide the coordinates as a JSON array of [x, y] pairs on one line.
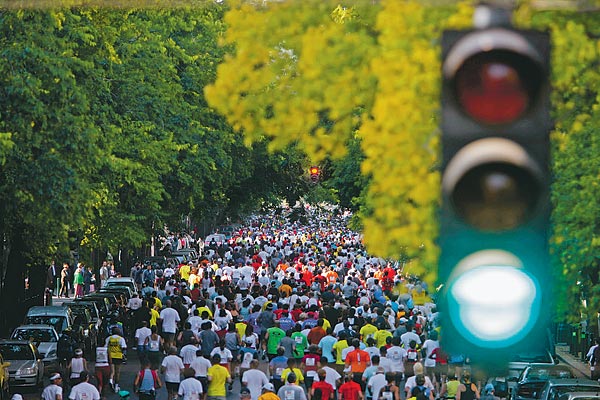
[[315, 173], [495, 192]]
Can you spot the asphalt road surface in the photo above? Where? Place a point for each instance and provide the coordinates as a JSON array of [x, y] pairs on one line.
[[128, 372]]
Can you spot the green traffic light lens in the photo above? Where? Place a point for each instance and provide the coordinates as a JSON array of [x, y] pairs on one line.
[[494, 302], [496, 196]]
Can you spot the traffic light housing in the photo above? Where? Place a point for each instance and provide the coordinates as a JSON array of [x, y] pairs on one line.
[[495, 192], [315, 174]]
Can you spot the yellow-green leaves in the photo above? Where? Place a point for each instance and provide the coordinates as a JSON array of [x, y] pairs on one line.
[[316, 74]]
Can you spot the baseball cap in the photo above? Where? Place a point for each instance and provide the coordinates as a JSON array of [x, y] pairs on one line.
[[269, 386]]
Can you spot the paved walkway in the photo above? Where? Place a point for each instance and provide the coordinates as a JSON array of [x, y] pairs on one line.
[[580, 368]]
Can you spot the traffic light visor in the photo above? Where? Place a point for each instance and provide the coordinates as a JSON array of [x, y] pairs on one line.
[[493, 184], [492, 299], [496, 75]]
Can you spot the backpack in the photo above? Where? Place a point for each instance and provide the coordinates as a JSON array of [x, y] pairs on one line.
[[154, 376], [420, 393]]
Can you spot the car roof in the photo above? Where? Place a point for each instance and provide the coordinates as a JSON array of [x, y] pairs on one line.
[[121, 279], [48, 310], [572, 381]]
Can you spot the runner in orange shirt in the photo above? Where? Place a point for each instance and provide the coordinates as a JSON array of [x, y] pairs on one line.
[[358, 360]]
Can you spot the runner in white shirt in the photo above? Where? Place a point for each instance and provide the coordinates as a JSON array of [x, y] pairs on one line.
[[254, 379], [140, 335], [190, 388], [188, 353], [134, 302], [53, 391], [170, 318], [172, 367], [84, 390]]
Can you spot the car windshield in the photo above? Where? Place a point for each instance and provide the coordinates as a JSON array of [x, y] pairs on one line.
[[118, 284], [38, 335], [54, 321], [533, 358], [547, 373], [556, 391], [16, 351]]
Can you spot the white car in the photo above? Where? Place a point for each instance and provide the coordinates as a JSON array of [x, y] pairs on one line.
[[123, 281], [219, 239], [45, 339]]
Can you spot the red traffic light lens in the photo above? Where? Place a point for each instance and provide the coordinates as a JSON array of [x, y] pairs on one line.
[[497, 87]]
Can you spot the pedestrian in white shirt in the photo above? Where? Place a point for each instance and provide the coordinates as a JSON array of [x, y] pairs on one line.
[[134, 302], [84, 390], [200, 366], [170, 318], [188, 352], [53, 391], [140, 338], [172, 367], [190, 388], [254, 379]]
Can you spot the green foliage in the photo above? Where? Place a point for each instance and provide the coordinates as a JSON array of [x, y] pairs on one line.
[[108, 132]]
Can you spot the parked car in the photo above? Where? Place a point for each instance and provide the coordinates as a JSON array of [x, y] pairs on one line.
[[91, 306], [534, 377], [554, 388], [4, 378], [218, 238], [26, 366], [45, 338], [102, 303], [520, 361], [111, 298], [120, 282], [59, 317]]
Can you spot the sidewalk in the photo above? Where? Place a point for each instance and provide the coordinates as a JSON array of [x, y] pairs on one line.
[[580, 368]]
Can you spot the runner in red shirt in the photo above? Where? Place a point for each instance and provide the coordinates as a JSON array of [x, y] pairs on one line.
[[326, 389], [350, 390]]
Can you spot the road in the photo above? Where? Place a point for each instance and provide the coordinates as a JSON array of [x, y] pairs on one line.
[[128, 373]]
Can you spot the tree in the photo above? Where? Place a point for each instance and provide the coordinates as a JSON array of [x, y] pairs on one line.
[[310, 73]]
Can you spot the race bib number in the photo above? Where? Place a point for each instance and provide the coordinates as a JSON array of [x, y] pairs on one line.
[[310, 362], [278, 371], [288, 395], [298, 339]]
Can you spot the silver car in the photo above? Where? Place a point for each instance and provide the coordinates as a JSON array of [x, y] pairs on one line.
[[45, 339], [554, 388], [26, 366]]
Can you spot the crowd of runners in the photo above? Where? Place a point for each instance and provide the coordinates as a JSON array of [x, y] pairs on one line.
[[294, 311]]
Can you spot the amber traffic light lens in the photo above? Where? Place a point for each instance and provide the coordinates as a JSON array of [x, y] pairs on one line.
[[496, 196]]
